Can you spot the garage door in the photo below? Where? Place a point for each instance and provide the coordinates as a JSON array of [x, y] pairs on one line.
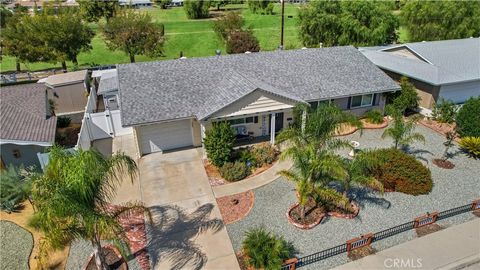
[[459, 93], [165, 136]]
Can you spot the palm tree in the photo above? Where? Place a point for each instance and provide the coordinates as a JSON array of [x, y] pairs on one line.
[[312, 170], [357, 172], [402, 132], [72, 199]]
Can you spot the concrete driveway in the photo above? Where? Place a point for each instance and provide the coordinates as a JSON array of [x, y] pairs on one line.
[[188, 231]]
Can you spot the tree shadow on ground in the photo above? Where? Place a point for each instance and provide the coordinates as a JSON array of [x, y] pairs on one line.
[[363, 196], [172, 233], [417, 153]]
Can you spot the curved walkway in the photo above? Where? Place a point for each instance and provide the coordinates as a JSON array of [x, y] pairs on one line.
[[252, 182]]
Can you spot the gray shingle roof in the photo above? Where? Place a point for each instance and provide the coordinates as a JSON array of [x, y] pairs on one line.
[[108, 82], [157, 91], [451, 61], [23, 110]]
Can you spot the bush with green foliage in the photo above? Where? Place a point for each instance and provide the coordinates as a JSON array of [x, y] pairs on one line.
[[264, 153], [228, 24], [242, 41], [63, 121], [374, 116], [468, 118], [402, 173], [245, 155], [15, 187], [405, 99], [265, 250], [260, 6], [444, 111], [196, 9], [471, 145], [234, 171], [218, 143]]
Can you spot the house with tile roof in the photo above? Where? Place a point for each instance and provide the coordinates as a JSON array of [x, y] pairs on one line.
[[446, 69], [27, 125], [171, 104]]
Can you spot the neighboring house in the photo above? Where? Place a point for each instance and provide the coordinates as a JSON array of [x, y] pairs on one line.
[[171, 104], [447, 69], [27, 126], [135, 3], [38, 5], [68, 92]]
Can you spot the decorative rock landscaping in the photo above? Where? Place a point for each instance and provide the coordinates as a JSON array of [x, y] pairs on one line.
[[235, 207], [451, 188], [16, 246]]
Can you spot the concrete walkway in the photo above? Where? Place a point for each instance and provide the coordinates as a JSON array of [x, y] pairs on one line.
[[252, 182], [456, 247]]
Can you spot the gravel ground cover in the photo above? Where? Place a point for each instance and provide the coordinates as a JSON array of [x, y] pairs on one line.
[[16, 245], [452, 188]]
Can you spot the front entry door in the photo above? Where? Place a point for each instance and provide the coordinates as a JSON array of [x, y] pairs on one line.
[[278, 122]]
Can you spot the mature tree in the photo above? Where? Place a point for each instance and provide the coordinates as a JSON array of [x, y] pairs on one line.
[[65, 34], [134, 33], [5, 14], [225, 25], [196, 9], [72, 199], [163, 4], [260, 6], [402, 131], [21, 39], [439, 20], [220, 3], [242, 41], [93, 11], [359, 23]]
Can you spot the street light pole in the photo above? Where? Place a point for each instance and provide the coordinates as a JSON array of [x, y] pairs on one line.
[[283, 23]]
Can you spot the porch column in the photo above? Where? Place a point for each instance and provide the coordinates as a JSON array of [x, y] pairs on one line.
[[202, 136], [272, 129], [304, 120]]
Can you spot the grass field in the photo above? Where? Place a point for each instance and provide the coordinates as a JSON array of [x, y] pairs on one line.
[[192, 37]]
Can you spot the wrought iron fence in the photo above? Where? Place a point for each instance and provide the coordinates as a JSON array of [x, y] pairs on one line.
[[343, 248]]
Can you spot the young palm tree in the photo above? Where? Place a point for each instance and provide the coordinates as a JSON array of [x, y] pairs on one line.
[[402, 132], [72, 198], [312, 170], [357, 172]]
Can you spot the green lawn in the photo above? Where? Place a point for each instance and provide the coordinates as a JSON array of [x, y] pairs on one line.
[[192, 37]]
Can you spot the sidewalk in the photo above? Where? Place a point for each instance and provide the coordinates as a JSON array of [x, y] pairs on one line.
[[253, 182], [456, 247]]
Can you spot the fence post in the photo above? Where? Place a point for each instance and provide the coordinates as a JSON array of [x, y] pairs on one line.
[[476, 205], [290, 264], [425, 220], [364, 240]]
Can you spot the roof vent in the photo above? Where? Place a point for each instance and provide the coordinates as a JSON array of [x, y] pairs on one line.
[[247, 52]]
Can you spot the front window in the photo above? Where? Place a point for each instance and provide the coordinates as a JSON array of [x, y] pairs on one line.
[[241, 121], [361, 101]]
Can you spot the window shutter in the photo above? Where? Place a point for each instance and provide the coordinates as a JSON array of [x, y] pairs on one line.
[[349, 102]]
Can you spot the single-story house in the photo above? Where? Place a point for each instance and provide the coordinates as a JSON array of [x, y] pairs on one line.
[[135, 3], [171, 104], [68, 91], [27, 124], [446, 69]]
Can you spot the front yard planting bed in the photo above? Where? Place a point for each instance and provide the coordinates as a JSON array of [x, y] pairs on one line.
[[16, 246], [236, 207]]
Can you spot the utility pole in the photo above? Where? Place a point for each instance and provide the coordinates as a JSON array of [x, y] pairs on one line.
[[283, 23]]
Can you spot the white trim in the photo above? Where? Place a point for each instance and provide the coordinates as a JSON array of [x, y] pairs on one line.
[[46, 144], [361, 101], [409, 49]]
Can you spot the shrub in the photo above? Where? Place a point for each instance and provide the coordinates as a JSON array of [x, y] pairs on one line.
[[444, 111], [246, 156], [403, 173], [264, 154], [234, 171], [227, 24], [374, 116], [407, 98], [264, 250], [242, 41], [15, 186], [196, 9], [471, 145], [63, 121], [468, 118], [219, 142]]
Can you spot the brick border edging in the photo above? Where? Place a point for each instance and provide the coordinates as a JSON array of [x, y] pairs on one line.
[[378, 126], [115, 250], [246, 213], [302, 226], [346, 216]]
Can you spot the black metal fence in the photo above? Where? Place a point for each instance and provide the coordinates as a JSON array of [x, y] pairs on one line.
[[324, 254]]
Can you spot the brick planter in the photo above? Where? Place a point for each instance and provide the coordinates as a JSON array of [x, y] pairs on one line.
[[367, 125], [299, 225], [346, 216]]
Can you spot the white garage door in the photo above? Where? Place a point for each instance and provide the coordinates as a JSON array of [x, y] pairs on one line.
[[165, 136], [459, 93]]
